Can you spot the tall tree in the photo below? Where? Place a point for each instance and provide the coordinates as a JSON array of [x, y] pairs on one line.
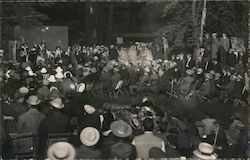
[[21, 14], [182, 16]]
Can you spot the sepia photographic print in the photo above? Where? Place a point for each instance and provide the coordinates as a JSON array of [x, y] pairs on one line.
[[124, 79]]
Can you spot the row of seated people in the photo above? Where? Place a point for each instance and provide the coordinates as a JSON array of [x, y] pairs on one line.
[[139, 131]]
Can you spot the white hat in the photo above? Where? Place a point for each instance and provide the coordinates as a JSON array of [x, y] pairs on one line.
[[89, 109], [24, 90], [58, 69], [80, 87], [205, 151], [145, 99], [59, 75], [33, 100], [31, 73], [57, 103], [147, 69], [28, 68], [52, 78], [199, 70], [72, 86], [43, 70], [121, 128], [89, 136], [67, 72], [61, 150]]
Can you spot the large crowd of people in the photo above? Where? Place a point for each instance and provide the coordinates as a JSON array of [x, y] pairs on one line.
[[48, 92]]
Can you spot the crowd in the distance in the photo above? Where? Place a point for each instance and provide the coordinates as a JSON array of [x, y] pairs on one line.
[[46, 92]]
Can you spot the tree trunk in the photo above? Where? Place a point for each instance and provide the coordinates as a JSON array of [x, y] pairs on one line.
[[194, 23], [1, 23], [110, 23]]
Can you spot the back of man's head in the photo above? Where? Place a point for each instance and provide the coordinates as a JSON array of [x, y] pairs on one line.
[[148, 124]]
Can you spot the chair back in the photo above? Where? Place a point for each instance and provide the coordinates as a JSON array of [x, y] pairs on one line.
[[9, 124], [119, 85], [24, 145], [58, 137]]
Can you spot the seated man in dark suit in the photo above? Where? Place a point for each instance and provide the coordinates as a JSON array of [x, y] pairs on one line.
[[54, 123]]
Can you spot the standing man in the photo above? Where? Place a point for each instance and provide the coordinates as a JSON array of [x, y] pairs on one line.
[[224, 47], [215, 46], [113, 54], [165, 47]]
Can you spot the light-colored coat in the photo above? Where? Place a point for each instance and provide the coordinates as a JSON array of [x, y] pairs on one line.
[[145, 142]]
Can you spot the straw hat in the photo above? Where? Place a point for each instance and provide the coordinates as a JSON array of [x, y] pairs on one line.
[[33, 100], [57, 103], [24, 90], [43, 70], [52, 78], [89, 109], [58, 69], [67, 72], [28, 68], [89, 136], [59, 75], [61, 150], [80, 87], [205, 151], [121, 129], [31, 73]]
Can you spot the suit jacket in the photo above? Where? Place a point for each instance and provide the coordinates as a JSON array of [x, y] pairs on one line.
[[55, 122], [231, 60], [19, 108], [145, 142], [215, 48], [84, 152], [122, 150], [225, 43], [29, 121]]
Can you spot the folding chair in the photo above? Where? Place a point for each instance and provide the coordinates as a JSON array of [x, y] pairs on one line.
[[9, 124], [24, 145], [97, 88], [58, 137], [172, 92], [237, 100], [89, 86]]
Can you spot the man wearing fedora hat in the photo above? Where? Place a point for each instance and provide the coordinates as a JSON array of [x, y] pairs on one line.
[[205, 151], [55, 122], [29, 121], [61, 150], [89, 137], [121, 149]]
